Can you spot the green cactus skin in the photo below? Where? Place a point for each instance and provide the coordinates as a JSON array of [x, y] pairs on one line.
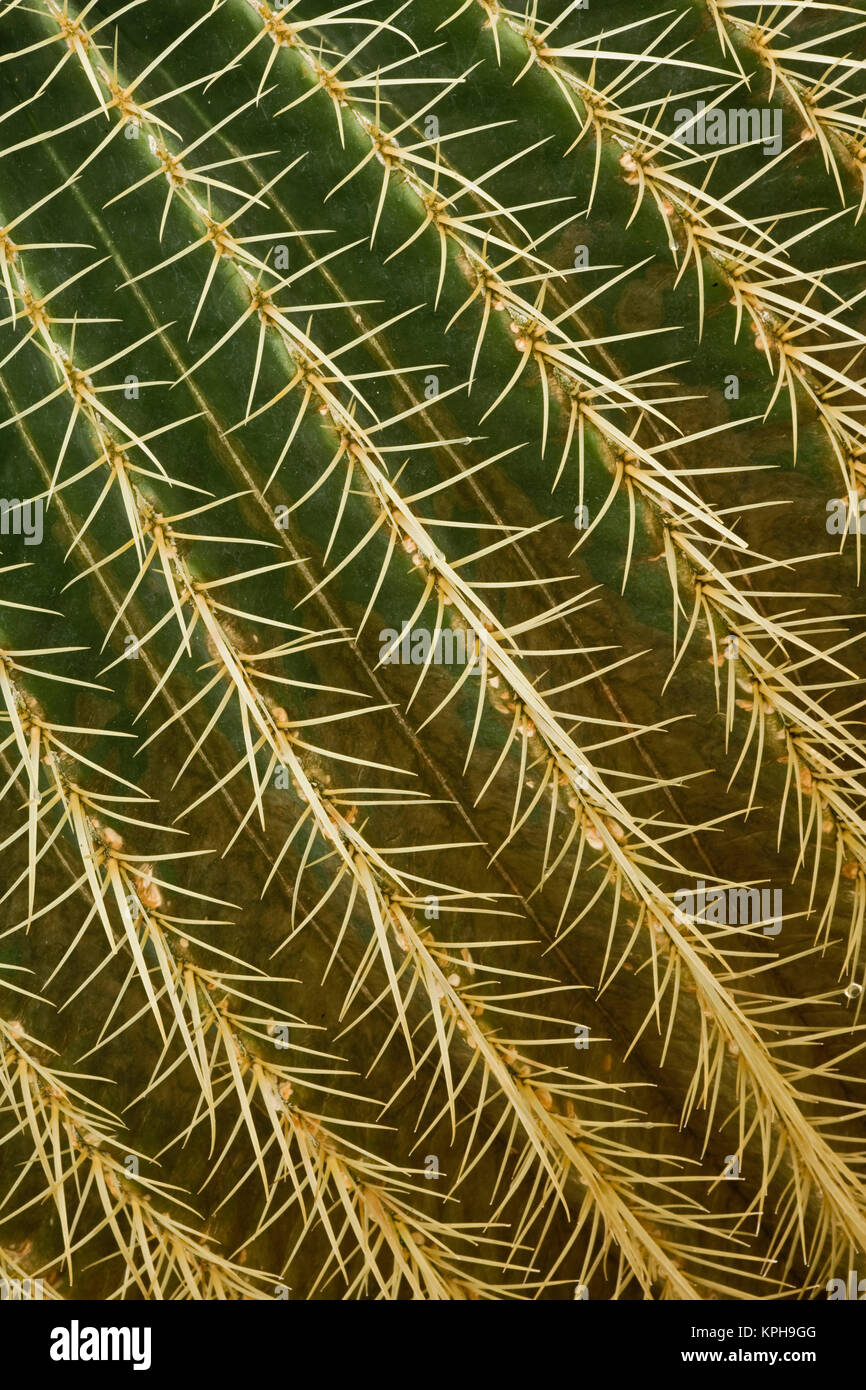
[[334, 964]]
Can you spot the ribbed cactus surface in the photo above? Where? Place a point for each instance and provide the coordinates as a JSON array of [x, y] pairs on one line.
[[432, 777]]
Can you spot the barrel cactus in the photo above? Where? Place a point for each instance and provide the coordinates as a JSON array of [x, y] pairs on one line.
[[432, 776]]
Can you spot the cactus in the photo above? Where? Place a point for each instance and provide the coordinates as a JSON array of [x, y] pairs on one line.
[[432, 786]]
